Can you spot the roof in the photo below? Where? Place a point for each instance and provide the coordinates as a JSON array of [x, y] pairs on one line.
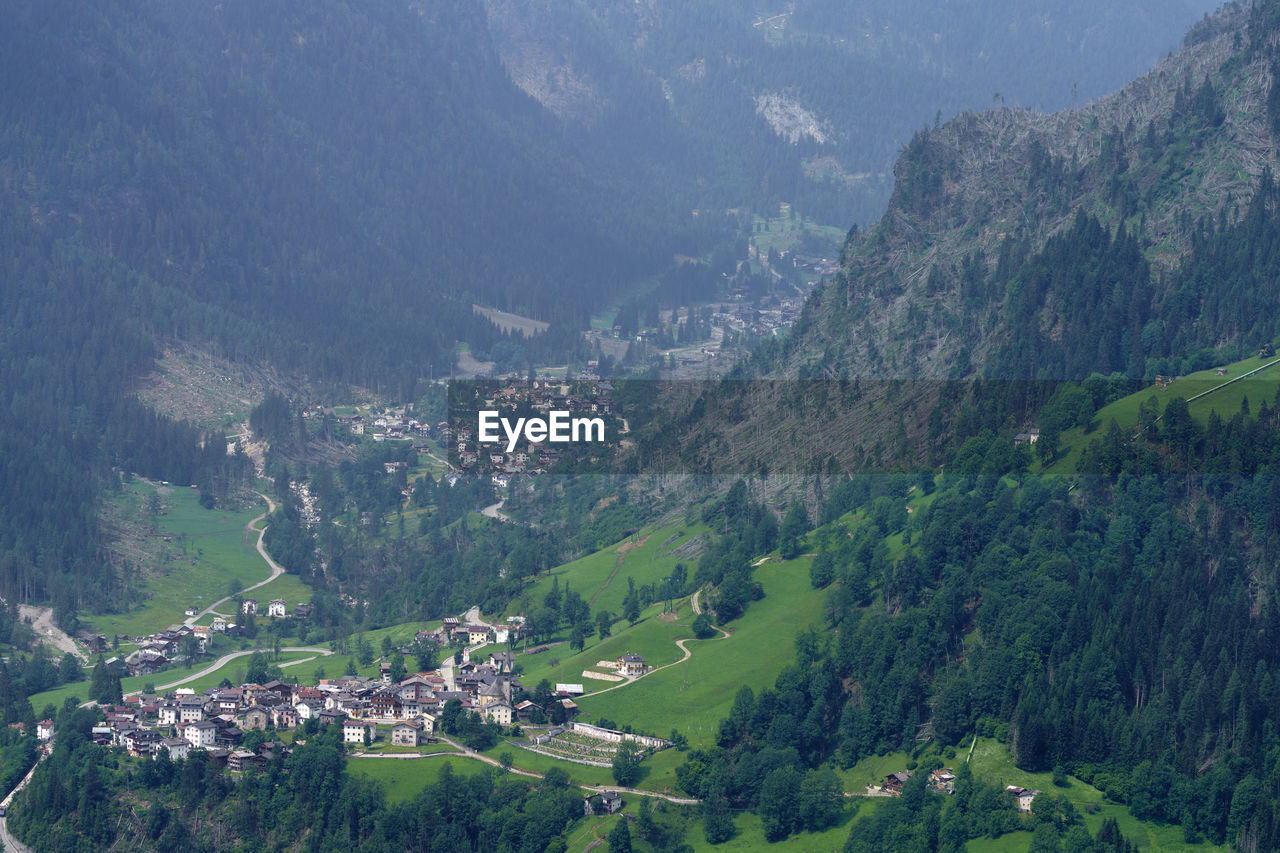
[[632, 657]]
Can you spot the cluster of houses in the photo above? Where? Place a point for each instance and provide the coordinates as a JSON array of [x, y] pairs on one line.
[[761, 321], [155, 651], [457, 632], [943, 780], [366, 709], [379, 428]]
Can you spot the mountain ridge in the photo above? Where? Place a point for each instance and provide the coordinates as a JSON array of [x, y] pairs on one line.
[[968, 188]]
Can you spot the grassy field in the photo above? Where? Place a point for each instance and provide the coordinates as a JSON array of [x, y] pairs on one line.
[[234, 670], [1226, 402], [384, 745], [871, 771], [205, 553], [651, 636], [750, 833], [601, 578], [785, 233], [992, 763], [289, 587], [593, 832], [404, 779], [695, 695]]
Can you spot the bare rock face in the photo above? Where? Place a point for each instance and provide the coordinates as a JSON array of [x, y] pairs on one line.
[[790, 120], [542, 64]]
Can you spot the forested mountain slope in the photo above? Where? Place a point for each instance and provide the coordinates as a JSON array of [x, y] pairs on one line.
[[349, 178], [1070, 257], [326, 189], [809, 102], [964, 276]]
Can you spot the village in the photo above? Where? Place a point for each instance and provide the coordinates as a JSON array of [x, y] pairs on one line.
[[381, 713]]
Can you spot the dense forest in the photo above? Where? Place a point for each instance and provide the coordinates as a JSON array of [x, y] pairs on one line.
[[261, 182], [1068, 618]]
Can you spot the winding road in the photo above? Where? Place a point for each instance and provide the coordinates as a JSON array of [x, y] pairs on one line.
[[495, 511], [276, 569], [8, 841], [464, 752], [693, 603], [227, 658]]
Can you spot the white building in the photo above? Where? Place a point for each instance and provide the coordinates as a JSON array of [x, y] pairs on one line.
[[500, 713], [200, 734], [353, 731], [177, 748]]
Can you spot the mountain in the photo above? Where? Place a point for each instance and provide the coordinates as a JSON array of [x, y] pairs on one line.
[[958, 278], [809, 102], [327, 190], [331, 188], [1104, 245]]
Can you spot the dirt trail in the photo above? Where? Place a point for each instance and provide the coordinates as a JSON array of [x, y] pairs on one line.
[[464, 752], [227, 658], [42, 622], [724, 635], [276, 569], [623, 550]]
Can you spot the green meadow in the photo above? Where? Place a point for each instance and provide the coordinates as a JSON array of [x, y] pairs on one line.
[[992, 763], [601, 578], [1224, 396], [696, 694], [403, 779], [652, 637], [872, 770], [749, 833], [206, 552], [287, 586]]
